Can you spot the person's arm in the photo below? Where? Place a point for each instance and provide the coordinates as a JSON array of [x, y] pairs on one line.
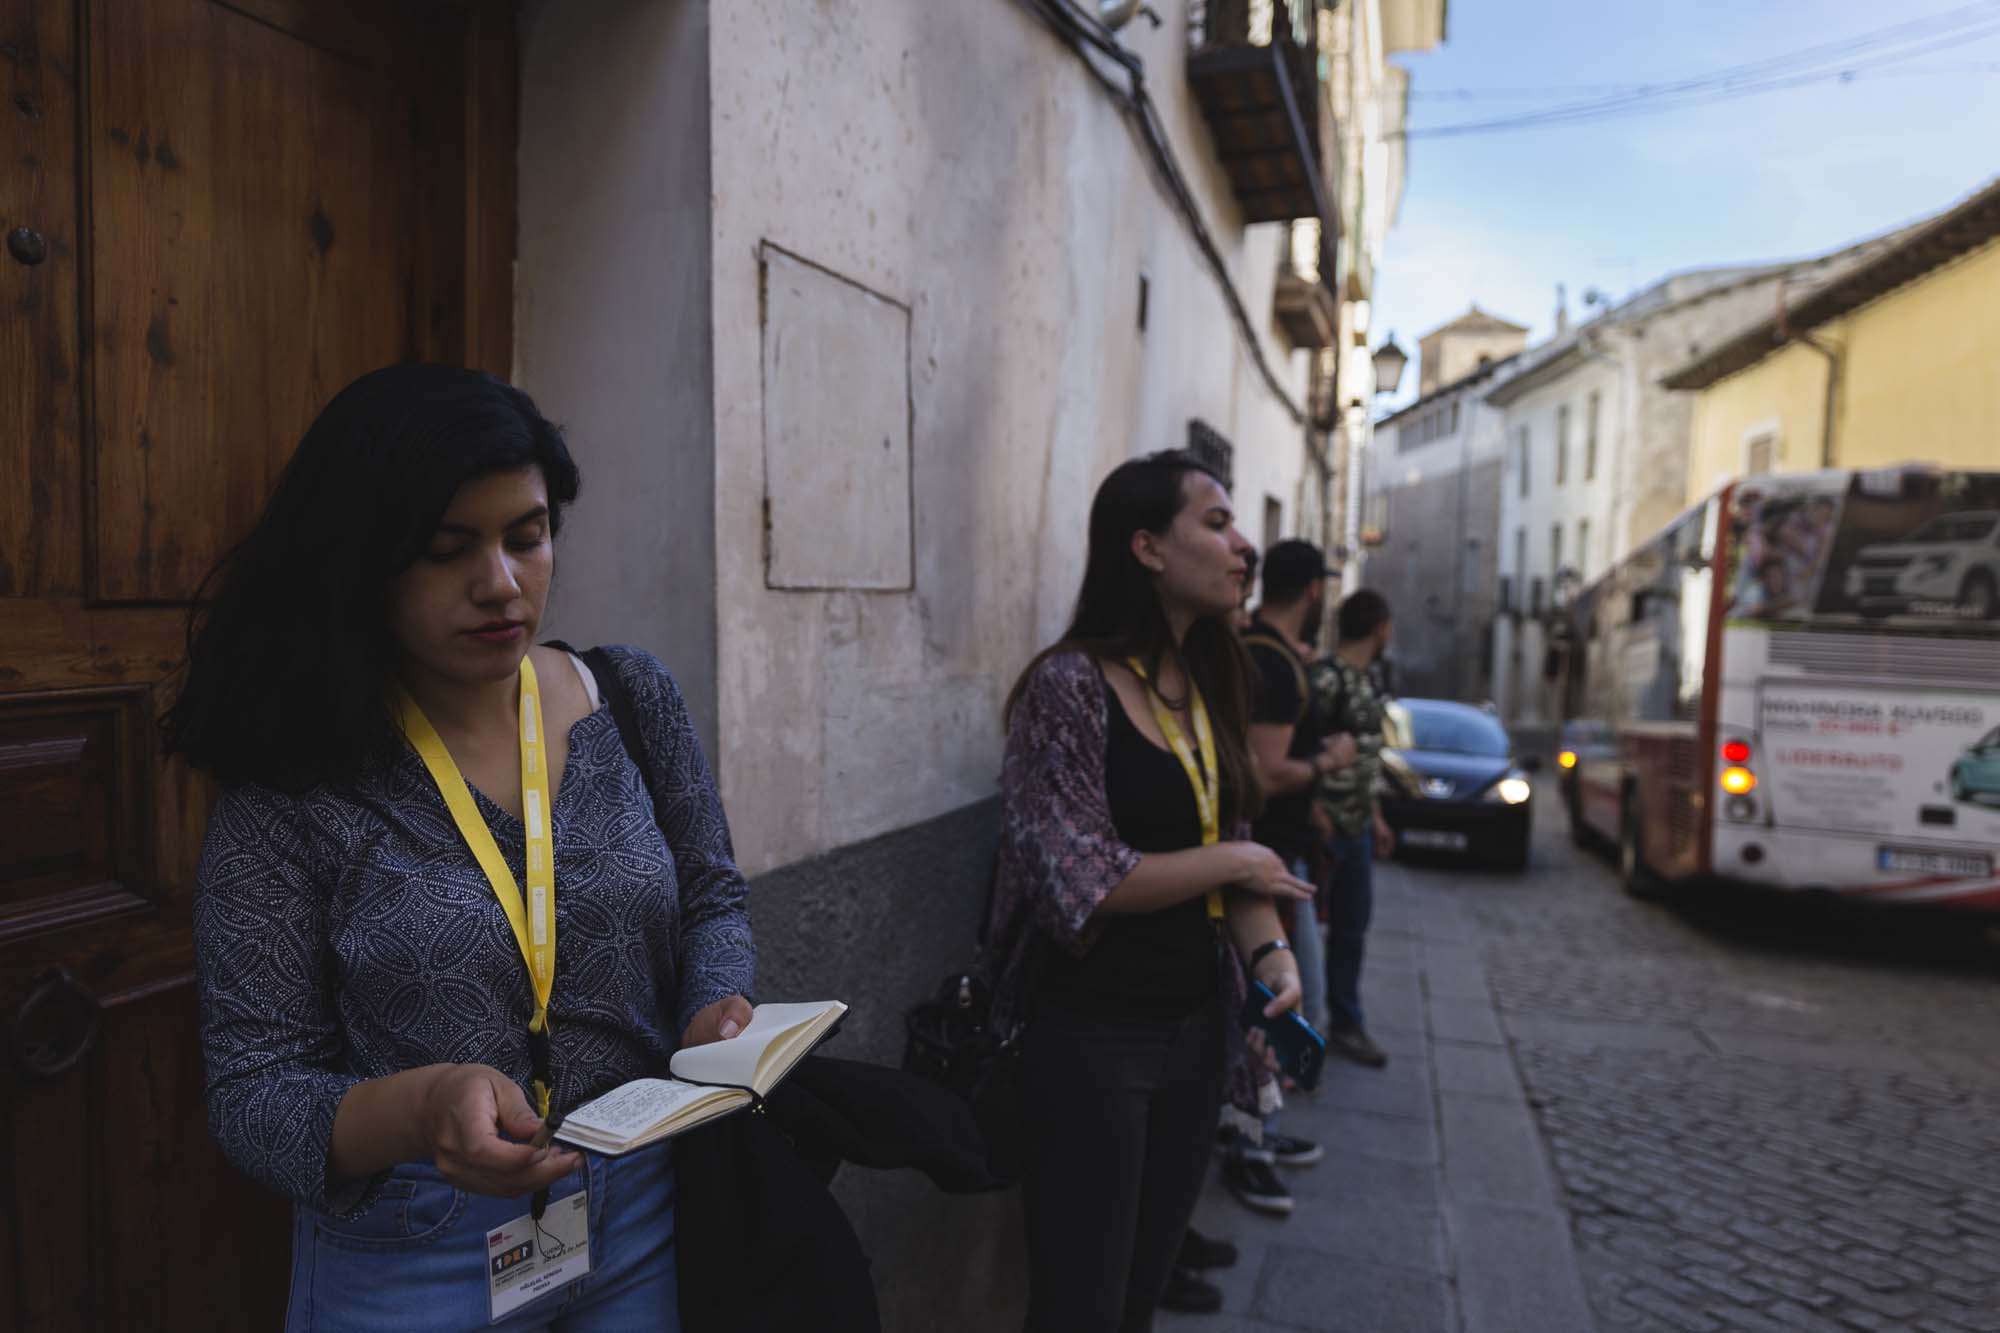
[[1254, 921], [277, 1103], [1385, 836], [1058, 839], [716, 962], [1167, 879], [1274, 716], [1271, 746], [455, 1114]]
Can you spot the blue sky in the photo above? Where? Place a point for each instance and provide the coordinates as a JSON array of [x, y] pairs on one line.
[[1501, 218]]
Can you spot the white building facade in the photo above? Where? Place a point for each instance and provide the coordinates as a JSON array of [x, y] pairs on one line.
[[847, 307], [1597, 453], [1431, 514]]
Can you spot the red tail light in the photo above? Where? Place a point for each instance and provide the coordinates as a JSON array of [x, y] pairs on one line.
[[1736, 752]]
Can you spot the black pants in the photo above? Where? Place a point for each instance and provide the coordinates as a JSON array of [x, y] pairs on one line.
[[1120, 1116]]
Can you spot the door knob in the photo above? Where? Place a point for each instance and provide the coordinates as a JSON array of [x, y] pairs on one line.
[[26, 244], [55, 1026]]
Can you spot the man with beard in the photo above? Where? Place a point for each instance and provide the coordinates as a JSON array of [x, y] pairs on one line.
[[1345, 812], [1289, 741]]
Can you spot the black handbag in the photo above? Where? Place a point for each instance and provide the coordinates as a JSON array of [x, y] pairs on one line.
[[950, 1040]]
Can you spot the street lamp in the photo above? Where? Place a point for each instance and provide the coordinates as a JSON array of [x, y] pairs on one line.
[[1389, 362]]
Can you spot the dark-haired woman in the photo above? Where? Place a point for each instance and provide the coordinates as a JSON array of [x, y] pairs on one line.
[[1128, 891], [435, 905]]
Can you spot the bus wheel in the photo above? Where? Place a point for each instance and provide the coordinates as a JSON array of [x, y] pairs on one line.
[[1977, 595], [1634, 875]]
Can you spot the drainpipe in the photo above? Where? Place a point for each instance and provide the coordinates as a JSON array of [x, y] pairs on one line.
[[1833, 373]]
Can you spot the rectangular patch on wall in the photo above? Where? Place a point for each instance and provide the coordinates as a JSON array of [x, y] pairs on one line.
[[837, 486]]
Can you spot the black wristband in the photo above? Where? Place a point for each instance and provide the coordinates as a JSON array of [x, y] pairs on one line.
[[1266, 949]]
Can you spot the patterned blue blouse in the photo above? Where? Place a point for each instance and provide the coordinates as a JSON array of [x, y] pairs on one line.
[[347, 933]]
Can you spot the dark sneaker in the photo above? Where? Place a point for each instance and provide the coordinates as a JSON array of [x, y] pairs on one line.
[[1189, 1293], [1290, 1151], [1251, 1179], [1353, 1044], [1199, 1251]]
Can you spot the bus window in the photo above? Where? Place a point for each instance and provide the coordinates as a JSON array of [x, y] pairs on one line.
[[1666, 639]]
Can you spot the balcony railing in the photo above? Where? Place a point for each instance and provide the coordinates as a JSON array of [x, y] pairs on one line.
[[1302, 300], [1323, 391], [1253, 66]]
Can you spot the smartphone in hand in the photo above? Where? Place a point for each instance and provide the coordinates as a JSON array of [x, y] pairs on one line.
[[1301, 1051]]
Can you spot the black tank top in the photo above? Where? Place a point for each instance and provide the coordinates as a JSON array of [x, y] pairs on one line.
[[1156, 964]]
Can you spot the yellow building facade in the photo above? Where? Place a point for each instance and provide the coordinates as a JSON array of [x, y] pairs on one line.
[[1904, 350]]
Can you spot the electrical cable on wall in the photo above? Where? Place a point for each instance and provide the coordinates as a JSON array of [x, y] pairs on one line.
[[1845, 60], [1082, 34]]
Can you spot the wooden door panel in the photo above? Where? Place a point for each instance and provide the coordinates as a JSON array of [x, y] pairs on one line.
[[238, 208], [44, 1153], [259, 211], [169, 1203], [75, 770], [41, 467], [175, 1236]]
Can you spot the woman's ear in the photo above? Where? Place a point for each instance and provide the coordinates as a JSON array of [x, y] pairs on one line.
[[1146, 550]]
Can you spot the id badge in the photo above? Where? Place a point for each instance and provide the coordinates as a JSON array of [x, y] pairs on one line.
[[526, 1259]]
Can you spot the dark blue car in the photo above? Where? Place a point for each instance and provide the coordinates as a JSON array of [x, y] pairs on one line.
[[1451, 782]]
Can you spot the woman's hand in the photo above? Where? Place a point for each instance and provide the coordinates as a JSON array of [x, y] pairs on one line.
[[717, 1022], [1261, 870], [464, 1111], [1279, 970], [1385, 838]]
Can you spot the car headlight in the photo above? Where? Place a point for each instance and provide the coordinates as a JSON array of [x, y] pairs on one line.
[[1513, 789], [1397, 775]]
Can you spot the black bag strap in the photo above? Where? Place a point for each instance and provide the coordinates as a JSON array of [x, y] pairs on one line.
[[1264, 638], [611, 686]]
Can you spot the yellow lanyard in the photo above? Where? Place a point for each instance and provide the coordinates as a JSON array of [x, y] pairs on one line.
[[534, 925], [1205, 779]]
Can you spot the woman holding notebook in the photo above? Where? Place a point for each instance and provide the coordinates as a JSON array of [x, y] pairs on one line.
[[439, 901], [1128, 892]]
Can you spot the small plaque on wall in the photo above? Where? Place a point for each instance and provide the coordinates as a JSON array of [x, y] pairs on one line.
[[837, 488]]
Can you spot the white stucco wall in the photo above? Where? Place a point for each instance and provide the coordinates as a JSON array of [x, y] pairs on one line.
[[1518, 685], [611, 319], [956, 160]]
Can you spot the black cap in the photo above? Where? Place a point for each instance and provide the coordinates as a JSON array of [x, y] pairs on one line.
[[1289, 566]]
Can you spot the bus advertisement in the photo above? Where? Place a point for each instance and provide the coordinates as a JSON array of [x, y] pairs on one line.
[[1797, 685]]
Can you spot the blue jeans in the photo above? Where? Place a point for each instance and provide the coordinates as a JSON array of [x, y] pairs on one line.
[[1350, 902], [417, 1258], [1310, 951]]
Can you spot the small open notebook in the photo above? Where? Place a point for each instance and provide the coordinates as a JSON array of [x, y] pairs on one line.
[[708, 1081]]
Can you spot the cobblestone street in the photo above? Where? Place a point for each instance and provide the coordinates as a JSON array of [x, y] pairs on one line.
[[1762, 1116], [1752, 1115]]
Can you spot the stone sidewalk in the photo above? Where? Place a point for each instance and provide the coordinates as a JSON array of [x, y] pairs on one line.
[[1436, 1209]]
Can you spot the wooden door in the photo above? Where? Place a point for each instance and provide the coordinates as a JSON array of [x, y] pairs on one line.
[[212, 216]]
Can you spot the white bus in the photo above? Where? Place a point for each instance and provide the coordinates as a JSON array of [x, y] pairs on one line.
[[1797, 685]]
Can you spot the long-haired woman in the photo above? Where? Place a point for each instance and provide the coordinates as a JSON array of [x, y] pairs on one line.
[[435, 905], [1128, 892]]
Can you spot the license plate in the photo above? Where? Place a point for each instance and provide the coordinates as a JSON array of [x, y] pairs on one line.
[[1440, 839], [1909, 861]]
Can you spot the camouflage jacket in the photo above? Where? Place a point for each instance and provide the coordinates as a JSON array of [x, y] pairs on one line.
[[1349, 698]]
